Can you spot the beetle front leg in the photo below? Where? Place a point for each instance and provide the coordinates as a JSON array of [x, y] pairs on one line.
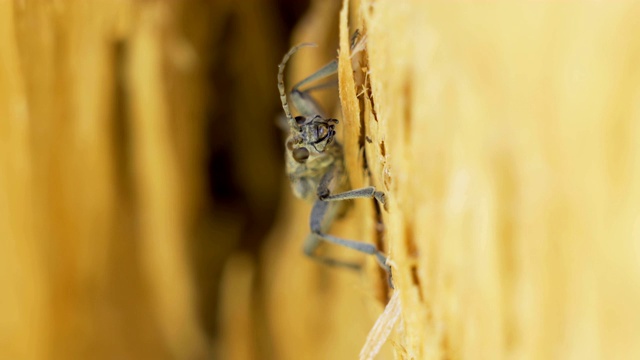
[[302, 99]]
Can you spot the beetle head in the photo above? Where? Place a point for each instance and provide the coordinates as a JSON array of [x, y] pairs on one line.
[[314, 134]]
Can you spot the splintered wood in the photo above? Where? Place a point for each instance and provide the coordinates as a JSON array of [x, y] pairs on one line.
[[507, 136], [382, 328]]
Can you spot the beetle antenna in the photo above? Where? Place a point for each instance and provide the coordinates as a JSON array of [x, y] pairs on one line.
[[283, 94]]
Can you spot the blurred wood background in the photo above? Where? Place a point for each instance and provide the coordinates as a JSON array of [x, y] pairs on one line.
[[144, 211]]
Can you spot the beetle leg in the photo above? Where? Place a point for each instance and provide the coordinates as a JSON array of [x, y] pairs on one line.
[[301, 98], [322, 215], [366, 192]]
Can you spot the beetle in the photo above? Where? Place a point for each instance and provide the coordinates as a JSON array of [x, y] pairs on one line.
[[316, 168]]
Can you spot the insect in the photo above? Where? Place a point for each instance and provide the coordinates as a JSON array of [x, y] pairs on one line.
[[315, 165]]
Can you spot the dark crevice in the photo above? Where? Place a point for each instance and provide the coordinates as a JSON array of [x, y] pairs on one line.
[[379, 241], [290, 12], [362, 137], [222, 174], [379, 223], [379, 226], [365, 163], [373, 103], [225, 190]]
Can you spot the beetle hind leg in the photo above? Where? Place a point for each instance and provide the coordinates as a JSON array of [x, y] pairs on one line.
[[322, 215]]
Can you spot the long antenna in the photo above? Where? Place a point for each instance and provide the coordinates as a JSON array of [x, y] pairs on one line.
[[283, 94]]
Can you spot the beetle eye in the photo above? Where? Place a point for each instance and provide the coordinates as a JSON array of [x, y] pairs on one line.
[[300, 120], [300, 154]]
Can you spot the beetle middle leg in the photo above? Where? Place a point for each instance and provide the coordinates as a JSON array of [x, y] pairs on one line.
[[366, 192], [327, 208], [322, 216], [324, 193], [301, 98]]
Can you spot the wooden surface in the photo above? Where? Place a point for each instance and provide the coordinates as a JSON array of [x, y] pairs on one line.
[[510, 158], [506, 139], [99, 180]]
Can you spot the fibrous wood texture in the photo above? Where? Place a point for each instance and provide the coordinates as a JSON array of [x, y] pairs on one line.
[[506, 137], [99, 178], [511, 135]]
